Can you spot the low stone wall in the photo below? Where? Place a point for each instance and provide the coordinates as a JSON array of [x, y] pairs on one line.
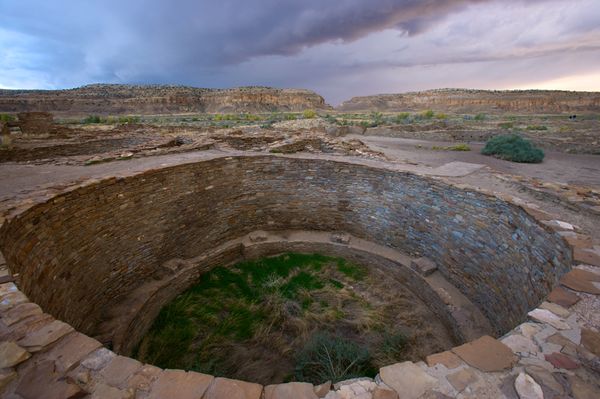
[[82, 253], [35, 122], [554, 354]]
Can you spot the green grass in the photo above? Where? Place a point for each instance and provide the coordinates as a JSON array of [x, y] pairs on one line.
[[537, 127], [291, 304], [513, 148], [457, 147]]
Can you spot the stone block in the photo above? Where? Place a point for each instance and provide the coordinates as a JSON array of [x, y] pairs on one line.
[[423, 266]]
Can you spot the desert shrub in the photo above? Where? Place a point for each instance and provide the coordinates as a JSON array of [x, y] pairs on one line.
[[537, 127], [402, 117], [428, 114], [459, 147], [129, 119], [290, 117], [309, 114], [6, 118], [479, 117], [327, 357], [506, 125], [441, 116], [513, 148], [92, 119]]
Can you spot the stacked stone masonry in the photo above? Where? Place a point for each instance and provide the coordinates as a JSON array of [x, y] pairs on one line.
[[79, 254]]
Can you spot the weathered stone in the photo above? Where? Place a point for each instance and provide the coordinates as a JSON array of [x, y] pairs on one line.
[[20, 312], [143, 378], [447, 358], [486, 354], [103, 391], [299, 390], [407, 379], [563, 297], [384, 393], [12, 354], [180, 384], [544, 378], [46, 335], [41, 381], [528, 330], [527, 388], [591, 340], [70, 350], [583, 390], [519, 344], [546, 316], [561, 361], [581, 280], [98, 359], [11, 300], [119, 369], [556, 309], [233, 389], [588, 256], [462, 379], [423, 266], [322, 389], [6, 377]]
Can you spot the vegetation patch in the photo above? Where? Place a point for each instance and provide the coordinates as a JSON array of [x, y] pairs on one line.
[[513, 148], [457, 147], [304, 317]]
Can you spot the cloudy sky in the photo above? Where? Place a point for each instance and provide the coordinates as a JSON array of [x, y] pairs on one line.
[[340, 48]]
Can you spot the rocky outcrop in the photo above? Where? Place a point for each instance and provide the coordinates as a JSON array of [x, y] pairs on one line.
[[474, 101], [110, 99], [35, 122]]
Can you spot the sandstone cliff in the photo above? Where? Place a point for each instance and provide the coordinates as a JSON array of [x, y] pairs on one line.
[[112, 99], [473, 101]]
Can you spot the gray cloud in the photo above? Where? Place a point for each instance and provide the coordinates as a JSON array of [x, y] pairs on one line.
[[274, 42]]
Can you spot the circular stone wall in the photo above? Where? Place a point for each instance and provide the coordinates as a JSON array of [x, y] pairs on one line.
[[82, 254]]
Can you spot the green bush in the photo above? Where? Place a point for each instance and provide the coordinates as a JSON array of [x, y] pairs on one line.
[[309, 114], [325, 357], [428, 114], [537, 127], [402, 117], [513, 148], [290, 117], [479, 117], [129, 119], [6, 118], [92, 119], [506, 125]]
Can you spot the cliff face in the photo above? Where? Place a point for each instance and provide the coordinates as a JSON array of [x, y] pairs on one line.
[[472, 101], [127, 99]]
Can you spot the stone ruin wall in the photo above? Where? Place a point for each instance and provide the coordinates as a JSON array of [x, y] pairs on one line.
[[81, 253]]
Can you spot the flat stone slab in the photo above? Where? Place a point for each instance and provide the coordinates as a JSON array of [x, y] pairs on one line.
[[70, 350], [546, 316], [456, 169], [447, 358], [520, 344], [423, 266], [296, 390], [41, 381], [561, 361], [407, 379], [591, 340], [462, 379], [527, 388], [180, 384], [563, 297], [588, 256], [20, 312], [556, 309], [12, 354], [44, 336], [582, 280], [233, 389], [486, 354], [119, 369]]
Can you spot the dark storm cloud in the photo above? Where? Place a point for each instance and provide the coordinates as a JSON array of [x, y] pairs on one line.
[[64, 43]]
